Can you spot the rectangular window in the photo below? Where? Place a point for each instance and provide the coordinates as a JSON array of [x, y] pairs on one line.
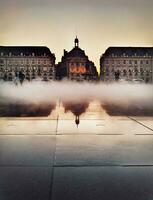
[[45, 69], [33, 62], [28, 62], [1, 62]]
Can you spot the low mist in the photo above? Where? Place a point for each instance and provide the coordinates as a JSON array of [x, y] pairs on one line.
[[114, 98]]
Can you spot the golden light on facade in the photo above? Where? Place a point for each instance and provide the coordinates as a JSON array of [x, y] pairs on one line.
[[77, 69]]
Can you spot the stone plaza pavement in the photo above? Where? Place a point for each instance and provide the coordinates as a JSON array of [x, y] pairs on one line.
[[105, 158]]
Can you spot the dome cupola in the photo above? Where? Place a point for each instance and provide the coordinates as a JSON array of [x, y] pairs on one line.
[[76, 41]]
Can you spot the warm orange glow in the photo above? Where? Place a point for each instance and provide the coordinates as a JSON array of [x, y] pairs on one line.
[[78, 70], [55, 23]]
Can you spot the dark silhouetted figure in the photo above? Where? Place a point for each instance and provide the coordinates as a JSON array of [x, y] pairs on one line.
[[21, 77], [117, 75]]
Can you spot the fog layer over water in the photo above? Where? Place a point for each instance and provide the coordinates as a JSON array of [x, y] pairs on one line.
[[114, 97]]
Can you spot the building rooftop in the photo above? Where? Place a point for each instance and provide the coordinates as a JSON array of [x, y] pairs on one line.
[[26, 50], [138, 51], [76, 51]]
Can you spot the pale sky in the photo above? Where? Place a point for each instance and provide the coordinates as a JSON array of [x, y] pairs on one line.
[[98, 24]]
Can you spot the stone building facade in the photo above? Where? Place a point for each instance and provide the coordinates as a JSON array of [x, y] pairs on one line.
[[36, 63], [127, 63], [75, 65]]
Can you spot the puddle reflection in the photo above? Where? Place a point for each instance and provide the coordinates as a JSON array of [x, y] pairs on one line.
[[132, 110], [26, 110], [76, 107]]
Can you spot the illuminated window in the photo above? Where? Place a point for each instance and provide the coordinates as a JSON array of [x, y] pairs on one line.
[[45, 69]]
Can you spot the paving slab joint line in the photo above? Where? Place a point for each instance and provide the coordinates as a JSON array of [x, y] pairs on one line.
[[75, 166], [54, 162], [140, 123], [103, 165]]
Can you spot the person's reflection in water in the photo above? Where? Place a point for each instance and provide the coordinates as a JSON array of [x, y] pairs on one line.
[[77, 120], [77, 108]]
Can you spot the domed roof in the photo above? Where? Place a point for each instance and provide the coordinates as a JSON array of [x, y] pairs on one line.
[[76, 52]]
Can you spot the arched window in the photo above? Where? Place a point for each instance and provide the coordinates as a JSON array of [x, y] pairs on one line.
[[147, 73], [136, 72], [107, 72], [141, 72], [124, 72], [130, 72], [10, 77]]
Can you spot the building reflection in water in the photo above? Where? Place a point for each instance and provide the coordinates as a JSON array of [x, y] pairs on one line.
[[117, 109], [77, 108], [19, 109]]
